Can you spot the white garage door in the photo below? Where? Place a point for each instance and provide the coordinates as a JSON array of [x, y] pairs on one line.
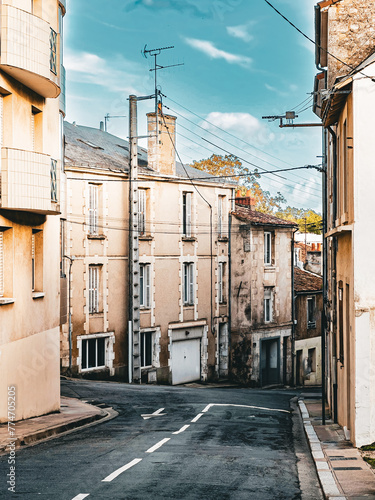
[[186, 361]]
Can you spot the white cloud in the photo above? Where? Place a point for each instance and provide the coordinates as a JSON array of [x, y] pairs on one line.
[[213, 52], [242, 125], [88, 68], [241, 31]]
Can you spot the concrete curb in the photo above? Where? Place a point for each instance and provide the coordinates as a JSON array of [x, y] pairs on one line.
[[61, 429], [325, 474]]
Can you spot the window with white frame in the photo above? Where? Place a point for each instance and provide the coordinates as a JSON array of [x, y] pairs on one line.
[[221, 282], [311, 360], [188, 284], [268, 305], [220, 211], [146, 349], [311, 322], [37, 260], [94, 209], [1, 264], [186, 214], [94, 275], [267, 248], [145, 285], [93, 353], [142, 212]]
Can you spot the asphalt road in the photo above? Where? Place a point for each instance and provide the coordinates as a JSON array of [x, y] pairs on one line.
[[201, 443]]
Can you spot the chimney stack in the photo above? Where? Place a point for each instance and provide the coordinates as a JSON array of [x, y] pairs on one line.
[[161, 152], [245, 201], [102, 126]]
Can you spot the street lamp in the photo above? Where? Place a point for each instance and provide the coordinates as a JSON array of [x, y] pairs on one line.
[[71, 260]]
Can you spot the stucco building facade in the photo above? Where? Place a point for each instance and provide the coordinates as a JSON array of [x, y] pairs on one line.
[[346, 106], [31, 117], [261, 297], [182, 278]]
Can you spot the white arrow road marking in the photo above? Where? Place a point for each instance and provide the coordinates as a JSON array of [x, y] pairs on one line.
[[157, 413], [182, 429], [119, 471], [157, 445], [81, 496], [195, 419]]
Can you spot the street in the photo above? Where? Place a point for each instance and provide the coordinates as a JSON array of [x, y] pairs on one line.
[[173, 442]]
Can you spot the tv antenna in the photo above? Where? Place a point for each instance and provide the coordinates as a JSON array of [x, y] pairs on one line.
[[155, 53], [108, 117]]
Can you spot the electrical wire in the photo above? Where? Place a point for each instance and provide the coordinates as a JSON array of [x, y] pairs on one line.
[[315, 43]]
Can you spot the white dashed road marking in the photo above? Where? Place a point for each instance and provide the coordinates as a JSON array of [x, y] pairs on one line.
[[81, 496], [195, 419], [182, 429], [157, 445], [119, 471]]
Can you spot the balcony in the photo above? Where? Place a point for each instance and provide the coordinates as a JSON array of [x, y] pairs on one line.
[[29, 51], [29, 181]]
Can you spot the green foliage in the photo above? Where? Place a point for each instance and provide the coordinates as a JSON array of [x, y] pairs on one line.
[[308, 220]]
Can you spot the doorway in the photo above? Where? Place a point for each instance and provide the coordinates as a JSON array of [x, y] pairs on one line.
[[270, 362]]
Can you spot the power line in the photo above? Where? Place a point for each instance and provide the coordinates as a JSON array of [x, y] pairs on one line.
[[315, 43]]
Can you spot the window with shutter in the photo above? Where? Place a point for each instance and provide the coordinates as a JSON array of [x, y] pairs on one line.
[[267, 248], [93, 290], [33, 262], [145, 285], [221, 282], [220, 217], [93, 209], [1, 264], [142, 212], [268, 305], [186, 205], [188, 284]]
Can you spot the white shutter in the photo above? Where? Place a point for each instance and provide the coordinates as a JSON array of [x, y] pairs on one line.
[[96, 290], [90, 289], [93, 208], [220, 279], [1, 265], [142, 285], [185, 287], [142, 211], [188, 215], [147, 286], [191, 284], [220, 216]]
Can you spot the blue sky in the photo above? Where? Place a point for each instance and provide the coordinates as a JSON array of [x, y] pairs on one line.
[[241, 61]]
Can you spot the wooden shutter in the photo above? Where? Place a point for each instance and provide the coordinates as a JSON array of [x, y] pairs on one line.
[[142, 212], [1, 264], [188, 215], [147, 279], [191, 283]]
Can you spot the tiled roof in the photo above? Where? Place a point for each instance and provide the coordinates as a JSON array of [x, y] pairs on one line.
[[253, 216], [94, 148], [306, 282]]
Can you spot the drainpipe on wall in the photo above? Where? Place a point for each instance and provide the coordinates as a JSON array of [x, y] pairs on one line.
[[293, 314], [229, 290]]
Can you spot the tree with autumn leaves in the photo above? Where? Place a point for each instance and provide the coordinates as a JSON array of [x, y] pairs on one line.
[[231, 167]]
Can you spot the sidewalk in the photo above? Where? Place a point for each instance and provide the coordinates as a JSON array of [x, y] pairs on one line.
[[73, 414], [342, 472]]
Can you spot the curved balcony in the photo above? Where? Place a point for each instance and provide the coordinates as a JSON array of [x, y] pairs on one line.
[[29, 181], [29, 51]]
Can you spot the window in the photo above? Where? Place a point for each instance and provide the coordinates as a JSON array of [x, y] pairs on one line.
[[37, 260], [220, 216], [268, 305], [221, 282], [142, 212], [188, 284], [53, 51], [53, 180], [144, 285], [62, 248], [93, 353], [93, 209], [268, 248], [1, 264], [94, 289], [311, 360], [186, 214], [311, 323], [146, 349]]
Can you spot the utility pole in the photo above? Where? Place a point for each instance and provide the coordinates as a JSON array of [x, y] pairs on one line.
[[155, 53], [134, 333]]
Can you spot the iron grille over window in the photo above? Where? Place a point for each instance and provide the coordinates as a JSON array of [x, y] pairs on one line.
[[53, 180], [53, 51]]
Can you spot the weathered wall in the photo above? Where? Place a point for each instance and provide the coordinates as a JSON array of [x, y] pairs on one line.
[[351, 35], [301, 329]]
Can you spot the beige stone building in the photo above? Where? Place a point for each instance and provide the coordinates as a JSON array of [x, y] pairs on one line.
[[31, 117], [261, 302], [182, 284], [346, 105]]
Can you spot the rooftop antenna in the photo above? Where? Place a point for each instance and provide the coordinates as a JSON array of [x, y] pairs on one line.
[[107, 118], [155, 53], [289, 117]]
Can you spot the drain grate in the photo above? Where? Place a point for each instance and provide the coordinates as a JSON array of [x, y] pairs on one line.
[[347, 468], [343, 458]]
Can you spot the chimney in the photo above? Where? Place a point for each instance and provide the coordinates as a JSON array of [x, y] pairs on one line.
[[245, 201], [161, 153], [102, 126]]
